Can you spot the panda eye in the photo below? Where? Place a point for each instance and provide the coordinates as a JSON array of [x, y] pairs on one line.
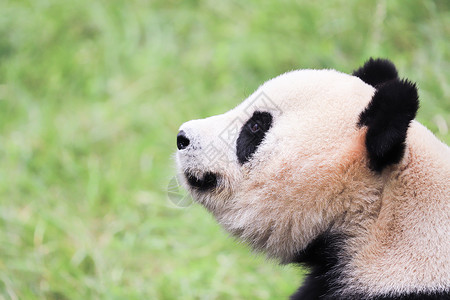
[[254, 127], [252, 134]]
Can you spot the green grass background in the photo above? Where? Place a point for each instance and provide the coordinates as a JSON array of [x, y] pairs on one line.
[[92, 94]]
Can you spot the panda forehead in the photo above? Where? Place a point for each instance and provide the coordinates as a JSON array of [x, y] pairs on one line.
[[308, 89], [302, 88], [308, 78]]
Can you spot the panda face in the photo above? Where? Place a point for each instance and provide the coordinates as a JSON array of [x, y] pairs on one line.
[[329, 170], [268, 168]]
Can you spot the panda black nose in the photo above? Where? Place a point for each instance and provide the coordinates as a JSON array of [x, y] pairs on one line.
[[182, 140]]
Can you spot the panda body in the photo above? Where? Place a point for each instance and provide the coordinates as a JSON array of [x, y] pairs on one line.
[[330, 170]]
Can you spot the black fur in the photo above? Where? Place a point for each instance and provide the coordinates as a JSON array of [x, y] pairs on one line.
[[393, 106], [207, 182], [326, 260], [444, 295], [249, 139], [322, 257], [376, 71]]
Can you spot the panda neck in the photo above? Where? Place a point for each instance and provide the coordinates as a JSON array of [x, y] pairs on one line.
[[406, 248], [331, 261], [398, 248]]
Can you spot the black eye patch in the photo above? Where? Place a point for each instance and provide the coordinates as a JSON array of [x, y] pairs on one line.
[[252, 134]]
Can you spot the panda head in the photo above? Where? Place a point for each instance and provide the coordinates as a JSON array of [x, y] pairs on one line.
[[304, 154]]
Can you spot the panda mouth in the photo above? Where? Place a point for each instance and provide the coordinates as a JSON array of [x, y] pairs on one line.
[[206, 182]]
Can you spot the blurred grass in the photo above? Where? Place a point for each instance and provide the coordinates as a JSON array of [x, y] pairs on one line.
[[92, 94]]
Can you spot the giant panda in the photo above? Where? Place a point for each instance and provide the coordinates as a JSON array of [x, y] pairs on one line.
[[330, 171]]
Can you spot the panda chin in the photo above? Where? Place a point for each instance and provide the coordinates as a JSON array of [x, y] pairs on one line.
[[206, 182]]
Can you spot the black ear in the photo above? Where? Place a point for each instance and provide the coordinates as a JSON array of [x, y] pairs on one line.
[[376, 71], [393, 106]]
